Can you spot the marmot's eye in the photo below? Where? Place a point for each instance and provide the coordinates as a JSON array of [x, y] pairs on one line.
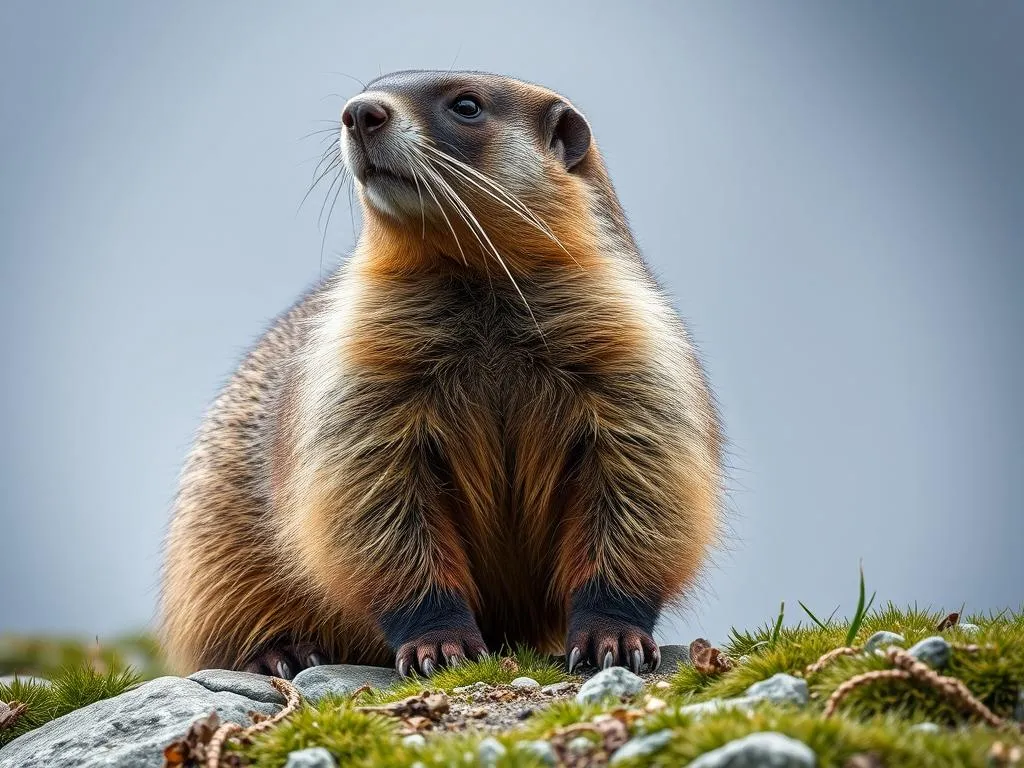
[[466, 106]]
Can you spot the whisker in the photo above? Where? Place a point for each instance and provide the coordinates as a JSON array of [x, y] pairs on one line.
[[483, 233], [441, 208]]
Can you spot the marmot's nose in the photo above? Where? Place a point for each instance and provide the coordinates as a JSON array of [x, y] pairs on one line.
[[364, 116]]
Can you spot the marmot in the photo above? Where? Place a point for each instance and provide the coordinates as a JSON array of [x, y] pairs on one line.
[[487, 427]]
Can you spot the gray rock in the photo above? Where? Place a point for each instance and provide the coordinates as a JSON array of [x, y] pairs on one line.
[[759, 750], [672, 656], [539, 749], [525, 682], [925, 728], [614, 682], [490, 751], [415, 741], [256, 687], [782, 689], [580, 746], [882, 640], [641, 745], [342, 679], [127, 731], [967, 628], [314, 757], [556, 688], [933, 651], [702, 708]]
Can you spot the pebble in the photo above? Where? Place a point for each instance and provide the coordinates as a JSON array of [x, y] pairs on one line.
[[781, 689], [759, 749], [579, 746], [925, 728], [641, 745], [701, 708], [314, 757], [933, 651], [541, 750], [556, 688], [614, 682], [525, 714], [882, 640], [525, 682], [415, 740], [968, 628], [490, 751]]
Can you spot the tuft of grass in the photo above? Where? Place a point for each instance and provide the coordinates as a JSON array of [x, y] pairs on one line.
[[71, 688], [492, 669]]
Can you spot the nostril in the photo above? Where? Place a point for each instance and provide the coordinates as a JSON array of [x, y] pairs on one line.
[[371, 115], [347, 119]]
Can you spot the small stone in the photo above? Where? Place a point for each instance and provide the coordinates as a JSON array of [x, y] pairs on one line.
[[490, 751], [478, 712], [654, 704], [579, 746], [698, 710], [766, 748], [882, 640], [662, 685], [925, 728], [341, 680], [967, 628], [525, 682], [933, 651], [525, 714], [672, 656], [781, 689], [314, 757], [614, 682], [641, 746], [539, 749], [415, 740], [556, 688]]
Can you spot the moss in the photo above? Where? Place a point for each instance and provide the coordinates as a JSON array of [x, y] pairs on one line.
[[70, 688]]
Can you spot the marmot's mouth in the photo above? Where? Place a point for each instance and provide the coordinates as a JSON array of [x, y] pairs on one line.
[[374, 172]]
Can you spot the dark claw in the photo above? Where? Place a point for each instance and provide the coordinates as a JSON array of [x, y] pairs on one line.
[[403, 668], [283, 670], [454, 661], [608, 660], [657, 660], [638, 661], [315, 660], [574, 659], [428, 667]]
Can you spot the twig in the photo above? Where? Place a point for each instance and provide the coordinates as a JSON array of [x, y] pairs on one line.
[[229, 730], [829, 657]]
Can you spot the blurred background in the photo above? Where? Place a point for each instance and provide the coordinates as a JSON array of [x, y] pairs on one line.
[[832, 193]]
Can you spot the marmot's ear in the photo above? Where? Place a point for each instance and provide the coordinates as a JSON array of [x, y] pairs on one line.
[[568, 134]]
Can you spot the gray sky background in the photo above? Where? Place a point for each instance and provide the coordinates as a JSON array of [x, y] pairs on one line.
[[832, 192]]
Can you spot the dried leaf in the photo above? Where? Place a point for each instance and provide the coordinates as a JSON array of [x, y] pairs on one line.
[[950, 621], [707, 659], [9, 713], [509, 664]]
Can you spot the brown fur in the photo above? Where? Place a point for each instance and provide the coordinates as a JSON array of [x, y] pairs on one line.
[[408, 424]]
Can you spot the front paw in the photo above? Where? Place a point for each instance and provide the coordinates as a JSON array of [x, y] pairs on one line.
[[286, 659], [439, 648], [606, 641]]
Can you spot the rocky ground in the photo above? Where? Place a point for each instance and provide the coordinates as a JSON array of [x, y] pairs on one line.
[[917, 689]]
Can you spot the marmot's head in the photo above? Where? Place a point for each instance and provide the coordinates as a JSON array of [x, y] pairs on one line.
[[478, 161]]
